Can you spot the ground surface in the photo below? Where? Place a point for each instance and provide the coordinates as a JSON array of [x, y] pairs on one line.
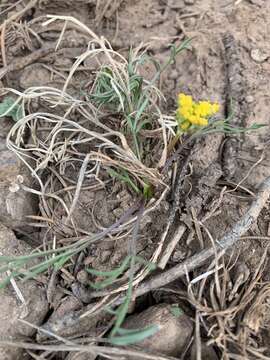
[[228, 59]]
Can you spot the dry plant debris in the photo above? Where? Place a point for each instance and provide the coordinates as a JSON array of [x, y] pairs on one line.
[[231, 308]]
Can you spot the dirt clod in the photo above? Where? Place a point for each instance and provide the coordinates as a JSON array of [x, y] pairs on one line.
[[259, 55], [175, 329], [15, 203], [32, 309], [34, 75]]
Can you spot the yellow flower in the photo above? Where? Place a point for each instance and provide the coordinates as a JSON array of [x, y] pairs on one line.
[[185, 112], [185, 100], [202, 121], [203, 108], [197, 120], [192, 113], [215, 108], [193, 119]]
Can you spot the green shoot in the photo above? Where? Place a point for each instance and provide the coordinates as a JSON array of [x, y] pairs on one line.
[[129, 337], [130, 94], [112, 275], [118, 335], [124, 177]]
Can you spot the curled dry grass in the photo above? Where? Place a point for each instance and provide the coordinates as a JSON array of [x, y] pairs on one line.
[[103, 127], [86, 122], [231, 308]]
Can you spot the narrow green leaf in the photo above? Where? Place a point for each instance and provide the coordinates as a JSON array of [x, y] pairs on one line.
[[124, 177], [135, 337], [60, 263], [141, 125], [141, 110], [111, 273], [122, 310]]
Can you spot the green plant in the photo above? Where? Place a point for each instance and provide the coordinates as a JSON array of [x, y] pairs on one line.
[[118, 335], [9, 107], [124, 90], [196, 119], [123, 176]]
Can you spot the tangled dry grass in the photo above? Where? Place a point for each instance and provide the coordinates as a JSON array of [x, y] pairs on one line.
[[231, 307]]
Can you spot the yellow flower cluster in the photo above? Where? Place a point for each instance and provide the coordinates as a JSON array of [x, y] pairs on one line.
[[194, 113]]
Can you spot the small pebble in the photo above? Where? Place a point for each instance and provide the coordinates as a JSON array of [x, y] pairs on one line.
[[189, 2], [258, 55], [249, 99]]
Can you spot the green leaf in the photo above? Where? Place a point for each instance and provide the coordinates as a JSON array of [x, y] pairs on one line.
[[123, 176], [122, 309], [9, 108], [142, 124], [148, 191], [150, 265], [183, 46], [111, 273], [176, 311], [141, 110], [134, 337], [59, 264]]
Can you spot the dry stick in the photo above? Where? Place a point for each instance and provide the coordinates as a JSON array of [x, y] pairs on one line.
[[10, 7], [78, 188], [3, 48], [21, 63], [235, 97], [169, 248], [19, 14], [171, 245], [228, 240], [93, 349]]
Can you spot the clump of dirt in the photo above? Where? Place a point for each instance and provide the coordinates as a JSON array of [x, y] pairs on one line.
[[175, 329], [23, 306]]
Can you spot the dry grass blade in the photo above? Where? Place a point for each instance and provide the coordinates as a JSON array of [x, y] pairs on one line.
[[231, 321], [98, 350]]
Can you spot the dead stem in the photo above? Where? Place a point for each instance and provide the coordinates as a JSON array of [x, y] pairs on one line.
[[227, 241]]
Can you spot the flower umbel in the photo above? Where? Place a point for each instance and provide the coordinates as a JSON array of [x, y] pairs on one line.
[[190, 113]]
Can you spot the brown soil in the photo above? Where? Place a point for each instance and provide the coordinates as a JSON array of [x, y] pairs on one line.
[[229, 59]]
